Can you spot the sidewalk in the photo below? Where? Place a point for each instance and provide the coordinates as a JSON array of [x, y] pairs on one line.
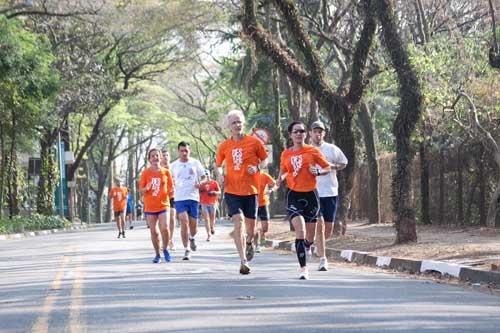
[[469, 254], [78, 226]]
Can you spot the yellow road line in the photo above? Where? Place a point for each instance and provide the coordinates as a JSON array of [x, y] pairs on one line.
[[75, 323], [42, 323]]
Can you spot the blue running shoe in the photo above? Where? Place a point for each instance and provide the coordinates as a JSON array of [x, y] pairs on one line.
[[156, 259], [167, 256]]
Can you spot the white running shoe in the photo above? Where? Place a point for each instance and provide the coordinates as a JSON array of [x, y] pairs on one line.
[[304, 273], [323, 265], [258, 249]]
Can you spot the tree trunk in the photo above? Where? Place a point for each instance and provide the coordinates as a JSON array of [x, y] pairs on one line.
[[441, 187], [424, 185], [12, 171], [369, 135], [482, 188], [411, 104], [493, 207], [3, 167], [293, 97], [344, 138], [460, 186], [98, 210], [46, 184]]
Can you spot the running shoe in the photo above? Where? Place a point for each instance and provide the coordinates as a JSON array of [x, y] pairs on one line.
[[131, 227], [208, 239], [166, 254], [119, 234], [192, 244], [323, 265], [258, 249], [304, 273], [244, 268], [187, 255], [212, 231], [123, 234], [250, 251], [156, 259]]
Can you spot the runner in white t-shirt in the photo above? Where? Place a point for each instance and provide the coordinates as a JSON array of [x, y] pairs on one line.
[[187, 173], [328, 189]]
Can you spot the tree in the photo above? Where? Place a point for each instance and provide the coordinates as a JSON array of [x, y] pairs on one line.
[[411, 104], [307, 70], [27, 87]]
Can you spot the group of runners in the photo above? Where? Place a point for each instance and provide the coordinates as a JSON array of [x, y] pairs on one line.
[[178, 189]]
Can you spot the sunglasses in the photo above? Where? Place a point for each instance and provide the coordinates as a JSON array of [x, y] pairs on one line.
[[301, 131]]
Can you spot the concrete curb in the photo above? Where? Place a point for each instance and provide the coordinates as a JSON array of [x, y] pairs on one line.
[[461, 272], [43, 232]]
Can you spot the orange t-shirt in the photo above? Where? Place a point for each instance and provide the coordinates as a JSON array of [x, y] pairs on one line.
[[157, 198], [205, 187], [297, 163], [264, 180], [119, 195], [239, 155]]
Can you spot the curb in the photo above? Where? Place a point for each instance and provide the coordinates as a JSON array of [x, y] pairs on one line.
[[42, 232], [462, 272]]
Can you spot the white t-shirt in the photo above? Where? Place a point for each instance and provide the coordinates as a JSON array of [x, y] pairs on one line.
[[328, 185], [186, 175]]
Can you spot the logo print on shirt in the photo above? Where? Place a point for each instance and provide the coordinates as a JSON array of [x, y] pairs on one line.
[[237, 158], [155, 186], [119, 195], [296, 164]]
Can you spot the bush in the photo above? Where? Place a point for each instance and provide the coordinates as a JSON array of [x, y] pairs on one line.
[[32, 223]]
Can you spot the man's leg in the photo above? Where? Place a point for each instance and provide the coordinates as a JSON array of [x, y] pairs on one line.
[[184, 222], [264, 228], [257, 232], [117, 220], [171, 227], [211, 218], [238, 236], [320, 236], [193, 229], [193, 213], [206, 218], [329, 230]]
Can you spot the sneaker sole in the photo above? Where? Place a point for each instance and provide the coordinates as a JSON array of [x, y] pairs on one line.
[[186, 258], [245, 270], [323, 269]]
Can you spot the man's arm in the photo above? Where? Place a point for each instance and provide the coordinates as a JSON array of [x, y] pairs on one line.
[[219, 174]]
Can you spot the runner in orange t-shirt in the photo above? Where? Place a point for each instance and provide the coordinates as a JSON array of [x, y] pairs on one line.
[[299, 165], [156, 185], [209, 195], [266, 186], [119, 195], [243, 156]]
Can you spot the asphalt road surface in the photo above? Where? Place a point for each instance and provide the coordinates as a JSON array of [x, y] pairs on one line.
[[90, 281]]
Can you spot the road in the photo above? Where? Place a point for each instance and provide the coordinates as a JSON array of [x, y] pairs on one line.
[[89, 281]]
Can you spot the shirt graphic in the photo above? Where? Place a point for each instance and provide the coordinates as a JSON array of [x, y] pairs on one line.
[[155, 186], [296, 164], [237, 158]]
